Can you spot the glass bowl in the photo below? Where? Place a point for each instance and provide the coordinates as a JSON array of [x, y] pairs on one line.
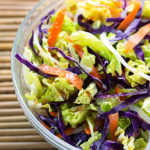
[[21, 40]]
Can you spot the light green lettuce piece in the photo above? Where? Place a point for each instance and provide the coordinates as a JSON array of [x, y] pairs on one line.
[[88, 60], [123, 90], [74, 115], [62, 85], [135, 79], [46, 56], [51, 95], [139, 103], [122, 51], [68, 24], [87, 39], [45, 44], [111, 67], [144, 134], [34, 83], [85, 96], [91, 140], [140, 144], [107, 104], [110, 37], [61, 42], [83, 76], [91, 107], [96, 24], [73, 52], [47, 82], [28, 54], [146, 50], [146, 10], [63, 63], [146, 106], [64, 106], [124, 122], [35, 105], [91, 124], [65, 87]]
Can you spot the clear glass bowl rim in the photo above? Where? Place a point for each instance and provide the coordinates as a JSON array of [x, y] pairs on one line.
[[50, 138]]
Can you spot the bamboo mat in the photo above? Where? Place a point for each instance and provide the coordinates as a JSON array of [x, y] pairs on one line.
[[15, 131]]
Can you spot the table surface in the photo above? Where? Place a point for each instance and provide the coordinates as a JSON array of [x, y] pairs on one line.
[[15, 131]]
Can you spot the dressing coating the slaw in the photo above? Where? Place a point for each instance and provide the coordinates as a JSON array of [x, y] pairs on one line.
[[87, 68]]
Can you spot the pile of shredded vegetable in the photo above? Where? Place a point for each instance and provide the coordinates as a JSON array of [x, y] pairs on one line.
[[87, 68]]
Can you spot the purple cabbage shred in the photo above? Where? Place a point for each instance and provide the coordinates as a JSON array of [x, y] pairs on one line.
[[31, 66], [72, 59]]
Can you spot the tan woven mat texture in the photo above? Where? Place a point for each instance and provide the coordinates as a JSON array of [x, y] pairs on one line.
[[15, 131]]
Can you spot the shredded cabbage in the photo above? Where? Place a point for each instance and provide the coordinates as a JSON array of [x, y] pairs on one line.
[[86, 96], [87, 145], [118, 56], [87, 39]]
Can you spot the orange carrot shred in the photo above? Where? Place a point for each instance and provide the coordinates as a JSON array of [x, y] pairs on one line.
[[117, 3], [114, 119], [137, 37], [56, 28], [95, 73], [87, 130], [130, 17], [79, 50], [117, 91], [69, 39], [47, 127], [71, 77], [67, 132], [53, 113]]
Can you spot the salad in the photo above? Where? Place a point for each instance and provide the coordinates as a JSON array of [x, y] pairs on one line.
[[87, 68]]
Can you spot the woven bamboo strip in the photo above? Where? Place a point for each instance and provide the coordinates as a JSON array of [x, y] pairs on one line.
[[15, 125], [9, 7], [11, 20], [5, 46], [13, 13], [7, 39], [25, 145], [6, 84], [7, 34], [5, 72], [13, 104], [8, 97], [7, 90], [22, 0], [5, 53], [27, 138], [12, 118], [18, 3], [4, 58], [13, 132], [4, 65], [13, 27], [11, 112], [5, 77]]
